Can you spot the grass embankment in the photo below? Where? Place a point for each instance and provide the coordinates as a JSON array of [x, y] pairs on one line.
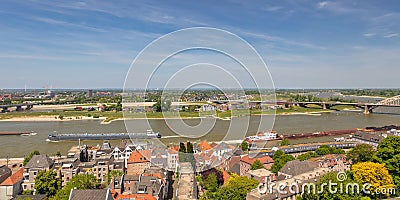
[[111, 115], [64, 114], [298, 109]]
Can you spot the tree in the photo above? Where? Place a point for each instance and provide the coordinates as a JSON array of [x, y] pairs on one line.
[[211, 183], [245, 146], [80, 182], [182, 147], [157, 106], [361, 153], [46, 182], [325, 150], [375, 174], [278, 154], [280, 159], [112, 175], [29, 157], [58, 154], [257, 165], [306, 156], [217, 173], [189, 148], [389, 154], [285, 142], [236, 188]]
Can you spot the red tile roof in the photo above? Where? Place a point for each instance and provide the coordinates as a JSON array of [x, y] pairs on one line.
[[138, 157], [13, 179], [173, 150], [226, 176], [263, 160], [204, 146]]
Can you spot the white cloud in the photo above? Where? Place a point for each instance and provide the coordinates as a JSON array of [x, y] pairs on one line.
[[369, 34], [391, 35], [323, 4], [273, 8]]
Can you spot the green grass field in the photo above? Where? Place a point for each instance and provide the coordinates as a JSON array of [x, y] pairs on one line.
[[111, 115]]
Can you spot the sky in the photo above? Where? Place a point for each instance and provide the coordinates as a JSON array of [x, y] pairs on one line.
[[305, 44]]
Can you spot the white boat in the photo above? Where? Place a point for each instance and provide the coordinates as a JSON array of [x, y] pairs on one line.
[[263, 136], [29, 134]]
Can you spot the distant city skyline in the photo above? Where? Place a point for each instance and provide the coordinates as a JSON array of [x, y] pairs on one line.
[[306, 44]]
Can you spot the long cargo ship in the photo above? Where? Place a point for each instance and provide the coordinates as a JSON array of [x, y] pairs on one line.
[[272, 135], [17, 133], [320, 134], [103, 136]]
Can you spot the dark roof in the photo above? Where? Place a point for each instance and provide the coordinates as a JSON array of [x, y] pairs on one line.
[[371, 137], [5, 172], [296, 167], [15, 178], [90, 194], [238, 152], [131, 177], [235, 168], [40, 161]]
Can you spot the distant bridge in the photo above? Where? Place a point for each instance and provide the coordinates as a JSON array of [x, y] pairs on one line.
[[367, 107], [18, 107]]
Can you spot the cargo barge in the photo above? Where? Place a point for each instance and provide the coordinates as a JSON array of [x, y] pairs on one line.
[[17, 133], [103, 136], [320, 134]]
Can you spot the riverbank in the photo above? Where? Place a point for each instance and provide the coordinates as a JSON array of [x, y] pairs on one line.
[[49, 118], [109, 116]]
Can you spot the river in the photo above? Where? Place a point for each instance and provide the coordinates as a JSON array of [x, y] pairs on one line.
[[19, 146]]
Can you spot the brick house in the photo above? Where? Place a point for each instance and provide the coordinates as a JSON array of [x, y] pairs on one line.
[[33, 167], [138, 162]]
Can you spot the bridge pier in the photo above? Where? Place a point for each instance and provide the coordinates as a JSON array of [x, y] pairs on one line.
[[326, 106], [302, 105], [367, 109], [5, 109], [19, 108]]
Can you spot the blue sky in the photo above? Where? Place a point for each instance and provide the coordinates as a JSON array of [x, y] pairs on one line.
[[306, 44]]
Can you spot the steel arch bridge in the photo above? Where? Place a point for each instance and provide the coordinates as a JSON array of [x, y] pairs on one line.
[[392, 101]]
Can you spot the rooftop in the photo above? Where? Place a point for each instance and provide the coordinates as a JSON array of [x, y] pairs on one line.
[[138, 157], [13, 179], [260, 172], [204, 146], [40, 161], [296, 167], [90, 194]]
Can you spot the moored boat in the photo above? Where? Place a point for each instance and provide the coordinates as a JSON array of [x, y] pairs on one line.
[[263, 136]]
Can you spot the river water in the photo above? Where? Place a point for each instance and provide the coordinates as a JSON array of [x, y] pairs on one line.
[[19, 146]]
